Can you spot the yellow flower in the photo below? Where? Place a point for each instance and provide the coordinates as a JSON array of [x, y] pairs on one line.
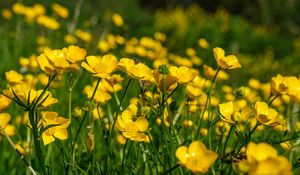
[[13, 77], [84, 36], [225, 62], [263, 159], [266, 115], [196, 157], [101, 66], [29, 96], [57, 127], [4, 102], [209, 73], [59, 61], [111, 83], [193, 91], [48, 22], [100, 96], [60, 10], [70, 39], [138, 71], [75, 53], [117, 19], [6, 13], [183, 75], [203, 43], [132, 125]]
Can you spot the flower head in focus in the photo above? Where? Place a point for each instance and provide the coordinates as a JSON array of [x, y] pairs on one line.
[[56, 127], [225, 62]]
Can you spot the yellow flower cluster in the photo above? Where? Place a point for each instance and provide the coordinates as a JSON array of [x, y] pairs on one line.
[[133, 125], [59, 61]]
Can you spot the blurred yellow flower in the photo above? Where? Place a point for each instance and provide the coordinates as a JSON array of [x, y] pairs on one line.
[[203, 43], [132, 125], [196, 157], [48, 22], [6, 13], [84, 36], [70, 39], [13, 77], [100, 96], [263, 159], [60, 10], [225, 62], [101, 66], [289, 85], [117, 19], [182, 75], [57, 127], [4, 102]]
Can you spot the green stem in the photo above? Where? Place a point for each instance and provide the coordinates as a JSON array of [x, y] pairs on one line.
[[207, 103], [124, 153], [36, 140], [81, 124], [227, 138], [171, 169], [117, 112]]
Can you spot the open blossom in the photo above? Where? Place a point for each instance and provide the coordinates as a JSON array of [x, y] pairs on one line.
[[289, 85], [266, 115], [58, 61], [101, 67], [138, 71], [232, 113], [182, 74], [132, 125], [29, 96], [263, 159], [196, 157], [225, 62], [57, 127]]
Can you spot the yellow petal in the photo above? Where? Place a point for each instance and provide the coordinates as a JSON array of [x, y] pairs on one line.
[[4, 119], [182, 154], [47, 138], [142, 124]]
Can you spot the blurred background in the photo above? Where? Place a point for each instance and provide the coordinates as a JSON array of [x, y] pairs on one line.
[[263, 33]]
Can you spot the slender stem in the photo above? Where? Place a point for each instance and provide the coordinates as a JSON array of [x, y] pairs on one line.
[[124, 153], [36, 102], [227, 138], [76, 15], [207, 103], [81, 124], [36, 139], [17, 151], [118, 110], [171, 169]]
